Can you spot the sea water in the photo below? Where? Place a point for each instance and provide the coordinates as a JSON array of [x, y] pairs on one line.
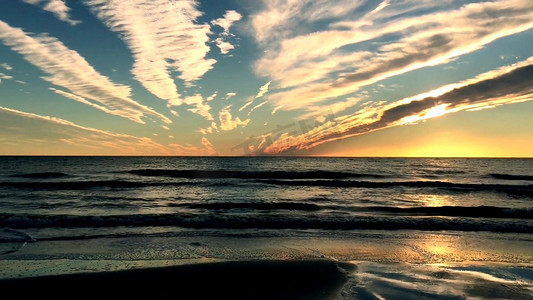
[[65, 214]]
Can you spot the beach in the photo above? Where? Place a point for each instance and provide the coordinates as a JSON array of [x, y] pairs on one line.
[[222, 280], [292, 279], [363, 265], [267, 228]]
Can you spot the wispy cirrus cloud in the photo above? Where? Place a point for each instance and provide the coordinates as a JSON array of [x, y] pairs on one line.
[[22, 131], [208, 146], [57, 7], [257, 106], [312, 71], [506, 85], [263, 90], [55, 136], [67, 69], [279, 18], [191, 150], [249, 102], [163, 37]]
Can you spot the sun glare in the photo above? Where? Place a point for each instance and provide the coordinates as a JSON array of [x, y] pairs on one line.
[[436, 111]]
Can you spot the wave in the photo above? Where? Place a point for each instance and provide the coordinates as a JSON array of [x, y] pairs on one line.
[[525, 190], [460, 211], [8, 235], [444, 211], [212, 174], [41, 175], [247, 205], [80, 185], [511, 176], [515, 190], [266, 221]]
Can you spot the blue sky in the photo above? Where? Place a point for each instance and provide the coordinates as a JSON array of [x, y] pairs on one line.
[[266, 77]]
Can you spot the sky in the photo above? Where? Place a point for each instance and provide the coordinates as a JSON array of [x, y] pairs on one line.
[[407, 78]]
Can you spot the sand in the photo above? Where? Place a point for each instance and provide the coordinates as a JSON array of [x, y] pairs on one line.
[[286, 279], [365, 265], [266, 279]]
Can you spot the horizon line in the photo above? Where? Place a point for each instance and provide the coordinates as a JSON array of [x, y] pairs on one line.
[[272, 156]]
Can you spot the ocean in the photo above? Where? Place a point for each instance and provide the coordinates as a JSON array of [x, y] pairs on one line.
[[159, 210]]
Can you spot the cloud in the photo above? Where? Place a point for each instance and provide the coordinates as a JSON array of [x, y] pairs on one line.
[[263, 90], [210, 98], [6, 66], [224, 46], [257, 106], [335, 108], [212, 128], [28, 133], [506, 85], [67, 69], [275, 110], [190, 150], [199, 106], [227, 122], [230, 94], [175, 113], [248, 103], [4, 76], [163, 37], [280, 17], [208, 146], [84, 101], [414, 35], [57, 7], [226, 22]]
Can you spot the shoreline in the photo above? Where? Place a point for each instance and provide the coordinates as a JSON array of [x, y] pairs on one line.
[[354, 265], [288, 279]]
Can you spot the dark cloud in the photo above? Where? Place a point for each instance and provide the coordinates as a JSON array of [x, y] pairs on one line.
[[518, 82]]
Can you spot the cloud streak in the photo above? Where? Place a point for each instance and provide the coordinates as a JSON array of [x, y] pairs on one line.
[[312, 71], [163, 37], [67, 69], [57, 7], [263, 90], [208, 146], [59, 136], [506, 85], [55, 136]]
